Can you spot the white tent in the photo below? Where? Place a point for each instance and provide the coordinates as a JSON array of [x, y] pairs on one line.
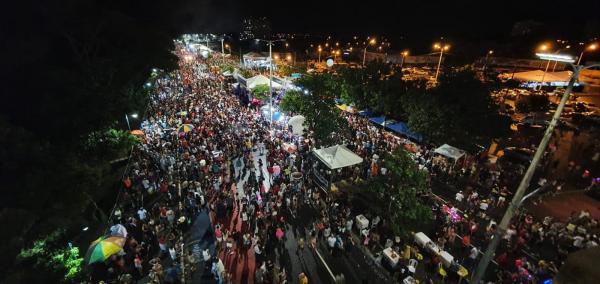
[[450, 152], [251, 83], [297, 123], [338, 156]]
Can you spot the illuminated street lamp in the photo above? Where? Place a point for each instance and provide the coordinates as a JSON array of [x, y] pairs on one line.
[[442, 48], [371, 42], [270, 43], [404, 55], [320, 49], [487, 55], [591, 47], [525, 182], [544, 47], [133, 115]]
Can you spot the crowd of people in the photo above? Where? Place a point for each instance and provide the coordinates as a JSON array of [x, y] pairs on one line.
[[206, 151]]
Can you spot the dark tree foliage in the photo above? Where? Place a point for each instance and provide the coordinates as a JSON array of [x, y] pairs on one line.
[[318, 107], [71, 70], [378, 87], [532, 103], [458, 111]]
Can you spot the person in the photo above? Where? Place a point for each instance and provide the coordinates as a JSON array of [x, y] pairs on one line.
[[142, 213], [300, 248], [331, 240], [302, 279], [472, 257], [459, 197]]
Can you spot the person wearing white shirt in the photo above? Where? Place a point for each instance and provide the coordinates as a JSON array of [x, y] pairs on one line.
[[459, 196], [142, 213]]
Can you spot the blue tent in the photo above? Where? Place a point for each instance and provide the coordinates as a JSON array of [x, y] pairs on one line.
[[403, 129], [377, 120], [366, 113]]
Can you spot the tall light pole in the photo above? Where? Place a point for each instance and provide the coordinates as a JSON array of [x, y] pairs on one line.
[[591, 47], [518, 198], [319, 49], [442, 48], [223, 50], [371, 42], [544, 47], [133, 115], [487, 55], [270, 43], [404, 55]]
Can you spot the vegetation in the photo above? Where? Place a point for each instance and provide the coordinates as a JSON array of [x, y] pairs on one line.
[[261, 92], [318, 107], [403, 186], [458, 111], [532, 103], [287, 70], [72, 71], [51, 256]]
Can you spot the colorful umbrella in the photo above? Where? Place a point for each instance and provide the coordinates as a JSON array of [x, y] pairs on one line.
[[137, 132], [103, 248], [185, 128]]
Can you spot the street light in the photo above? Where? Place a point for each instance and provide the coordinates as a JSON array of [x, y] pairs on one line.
[[442, 48], [320, 49], [518, 197], [270, 43], [487, 55], [404, 55], [133, 115], [591, 47], [371, 42]]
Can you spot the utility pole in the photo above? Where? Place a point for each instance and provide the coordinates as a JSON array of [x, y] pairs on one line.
[[223, 50], [518, 198]]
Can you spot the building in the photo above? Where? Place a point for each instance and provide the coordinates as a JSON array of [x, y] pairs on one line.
[[259, 27]]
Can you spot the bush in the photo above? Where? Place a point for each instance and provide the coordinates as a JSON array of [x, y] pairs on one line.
[[532, 103]]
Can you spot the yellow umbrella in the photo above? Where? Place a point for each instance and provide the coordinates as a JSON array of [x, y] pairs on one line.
[[103, 248], [342, 107], [185, 128]]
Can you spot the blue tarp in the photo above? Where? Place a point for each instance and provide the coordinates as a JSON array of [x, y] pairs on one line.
[[402, 128], [377, 120], [366, 113]]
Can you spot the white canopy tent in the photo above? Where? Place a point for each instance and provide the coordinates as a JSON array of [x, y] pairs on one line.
[[297, 123], [450, 152], [251, 83], [338, 156]]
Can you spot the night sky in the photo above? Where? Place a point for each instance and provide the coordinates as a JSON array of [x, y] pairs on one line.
[[415, 19]]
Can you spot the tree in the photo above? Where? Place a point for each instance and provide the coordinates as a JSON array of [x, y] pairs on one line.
[[246, 73], [377, 87], [403, 187], [72, 71], [532, 103], [51, 257], [261, 92], [288, 70], [318, 107], [458, 111]]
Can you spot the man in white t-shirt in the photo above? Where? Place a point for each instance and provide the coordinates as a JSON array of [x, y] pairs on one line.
[[459, 196], [142, 213]]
